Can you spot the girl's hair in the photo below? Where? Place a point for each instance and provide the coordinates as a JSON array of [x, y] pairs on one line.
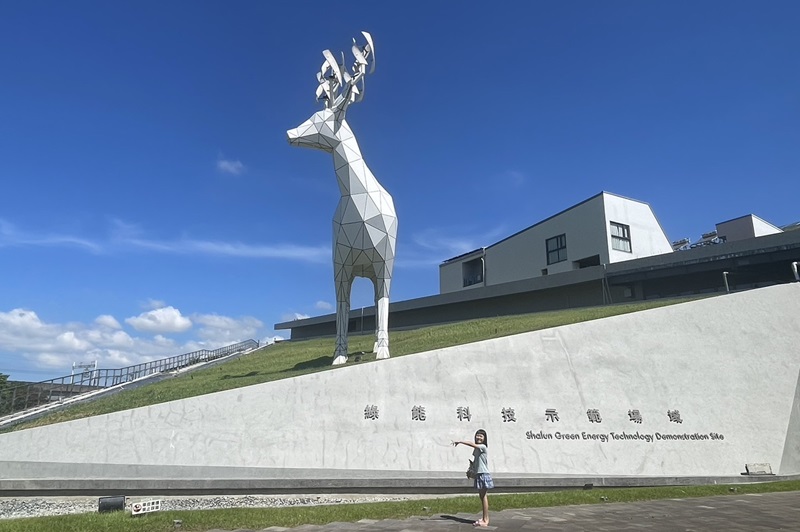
[[485, 437]]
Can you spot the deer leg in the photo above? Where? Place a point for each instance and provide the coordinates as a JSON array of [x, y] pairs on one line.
[[343, 284], [382, 318], [375, 282]]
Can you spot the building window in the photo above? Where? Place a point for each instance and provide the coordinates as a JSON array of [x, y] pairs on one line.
[[472, 272], [556, 249], [629, 292], [620, 237], [587, 262]]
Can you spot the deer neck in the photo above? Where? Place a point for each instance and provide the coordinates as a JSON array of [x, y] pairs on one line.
[[352, 173]]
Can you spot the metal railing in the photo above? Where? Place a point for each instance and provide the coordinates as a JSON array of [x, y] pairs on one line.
[[25, 396]]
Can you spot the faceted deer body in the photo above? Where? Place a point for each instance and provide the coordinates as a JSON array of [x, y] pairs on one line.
[[365, 222]]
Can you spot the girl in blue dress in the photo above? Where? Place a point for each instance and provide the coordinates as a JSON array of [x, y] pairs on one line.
[[483, 480]]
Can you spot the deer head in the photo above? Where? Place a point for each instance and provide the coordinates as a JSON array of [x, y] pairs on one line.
[[337, 89]]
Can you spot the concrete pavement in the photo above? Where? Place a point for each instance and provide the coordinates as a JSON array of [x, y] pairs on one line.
[[735, 513]]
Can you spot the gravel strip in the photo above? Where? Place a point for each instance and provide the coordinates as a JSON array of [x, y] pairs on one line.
[[16, 507]]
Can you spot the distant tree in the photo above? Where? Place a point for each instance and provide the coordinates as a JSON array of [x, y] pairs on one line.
[[3, 386]]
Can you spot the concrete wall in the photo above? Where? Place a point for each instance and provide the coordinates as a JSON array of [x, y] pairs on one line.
[[524, 254], [647, 237], [744, 227], [451, 275], [727, 368]]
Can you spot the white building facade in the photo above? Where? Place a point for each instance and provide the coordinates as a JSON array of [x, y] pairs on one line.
[[603, 229]]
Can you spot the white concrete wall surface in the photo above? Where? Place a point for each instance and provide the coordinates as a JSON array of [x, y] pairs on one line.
[[749, 226], [728, 366], [450, 278], [647, 236], [524, 255], [451, 274]]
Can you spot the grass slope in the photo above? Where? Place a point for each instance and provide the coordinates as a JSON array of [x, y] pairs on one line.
[[290, 359]]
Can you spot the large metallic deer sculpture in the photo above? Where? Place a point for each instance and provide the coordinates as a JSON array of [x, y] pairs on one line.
[[365, 223]]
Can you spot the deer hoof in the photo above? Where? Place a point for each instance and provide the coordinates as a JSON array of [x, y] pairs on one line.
[[382, 352], [338, 360]]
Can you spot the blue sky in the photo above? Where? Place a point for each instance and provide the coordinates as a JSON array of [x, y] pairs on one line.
[[152, 206]]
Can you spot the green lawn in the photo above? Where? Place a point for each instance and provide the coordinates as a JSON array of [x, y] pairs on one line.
[[256, 519], [290, 359]]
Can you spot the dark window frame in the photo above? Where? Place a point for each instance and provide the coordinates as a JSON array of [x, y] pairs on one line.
[[556, 249], [470, 274], [621, 242]]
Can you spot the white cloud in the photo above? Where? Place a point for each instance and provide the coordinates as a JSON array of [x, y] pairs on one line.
[[238, 249], [450, 242], [323, 305], [26, 341], [122, 230], [10, 236], [154, 304], [294, 316], [118, 339], [69, 342], [106, 320], [187, 246], [227, 166], [50, 360], [23, 327], [223, 330], [160, 320], [103, 338], [127, 237], [163, 341], [21, 318], [118, 359]]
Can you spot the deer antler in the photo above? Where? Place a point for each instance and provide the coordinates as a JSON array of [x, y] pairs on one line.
[[338, 88]]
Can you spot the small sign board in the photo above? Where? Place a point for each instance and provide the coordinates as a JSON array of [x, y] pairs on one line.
[[111, 504], [144, 507], [758, 469]]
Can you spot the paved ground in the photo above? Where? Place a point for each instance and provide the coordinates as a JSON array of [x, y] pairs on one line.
[[770, 511]]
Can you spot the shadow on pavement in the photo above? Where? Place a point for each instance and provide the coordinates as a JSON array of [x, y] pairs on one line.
[[457, 519]]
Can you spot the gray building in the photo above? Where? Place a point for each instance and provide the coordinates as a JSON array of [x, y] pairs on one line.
[[603, 229], [605, 250]]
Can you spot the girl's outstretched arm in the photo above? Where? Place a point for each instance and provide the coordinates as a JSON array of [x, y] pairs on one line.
[[464, 443]]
